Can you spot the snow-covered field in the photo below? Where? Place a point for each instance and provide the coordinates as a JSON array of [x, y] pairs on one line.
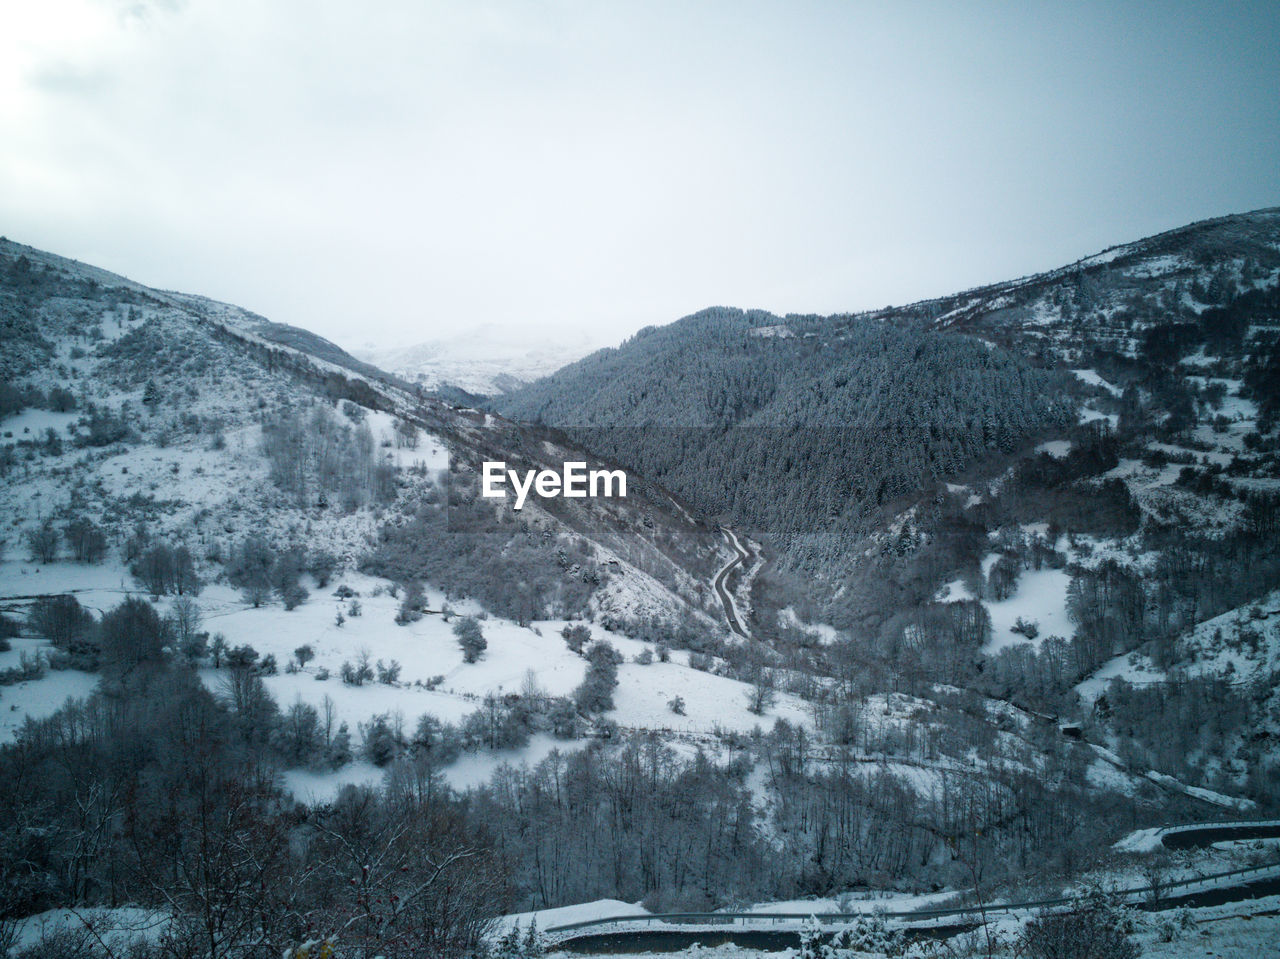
[[1041, 598], [33, 424], [1055, 448], [1240, 645], [40, 697], [519, 660], [862, 901], [1230, 937], [1133, 668], [822, 632]]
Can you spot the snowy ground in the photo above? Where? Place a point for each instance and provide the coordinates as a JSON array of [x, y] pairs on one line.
[[1133, 668], [1241, 645], [873, 901], [32, 424], [41, 697], [1232, 937], [1055, 448], [518, 660], [1041, 598], [567, 915], [1121, 777], [821, 632], [116, 928]]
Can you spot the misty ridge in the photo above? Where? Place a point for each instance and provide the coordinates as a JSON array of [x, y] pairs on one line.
[[950, 605]]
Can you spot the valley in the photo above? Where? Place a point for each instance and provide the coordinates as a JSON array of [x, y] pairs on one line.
[[936, 603]]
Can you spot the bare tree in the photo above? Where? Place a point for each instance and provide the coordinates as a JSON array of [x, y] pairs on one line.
[[763, 691], [187, 619], [42, 541]]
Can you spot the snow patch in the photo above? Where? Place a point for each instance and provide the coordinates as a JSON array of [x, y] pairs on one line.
[[1093, 378], [568, 915], [1040, 597], [1055, 448]]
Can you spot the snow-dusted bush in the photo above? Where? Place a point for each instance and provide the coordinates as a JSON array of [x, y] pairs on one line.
[[811, 946], [132, 633], [382, 739], [470, 638], [435, 741], [412, 605], [165, 570], [358, 673], [388, 673], [595, 694], [29, 667], [1172, 926], [867, 934], [1027, 628], [85, 539], [576, 636], [517, 943], [1096, 927]]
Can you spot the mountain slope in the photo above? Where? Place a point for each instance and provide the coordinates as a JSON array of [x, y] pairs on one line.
[[1031, 568], [233, 399], [1115, 294], [803, 430]]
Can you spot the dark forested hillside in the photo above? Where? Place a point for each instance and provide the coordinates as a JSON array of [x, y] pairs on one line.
[[790, 426]]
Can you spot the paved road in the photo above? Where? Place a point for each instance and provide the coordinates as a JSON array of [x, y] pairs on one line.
[[752, 930], [678, 940], [730, 610], [1210, 833]]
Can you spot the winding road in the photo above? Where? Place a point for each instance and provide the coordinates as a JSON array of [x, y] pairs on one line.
[[726, 598], [771, 931]]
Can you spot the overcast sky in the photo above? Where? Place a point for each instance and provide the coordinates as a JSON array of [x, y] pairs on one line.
[[394, 170]]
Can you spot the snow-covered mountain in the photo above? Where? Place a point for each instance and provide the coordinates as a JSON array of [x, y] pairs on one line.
[[1046, 632], [483, 360], [1132, 539], [161, 418]]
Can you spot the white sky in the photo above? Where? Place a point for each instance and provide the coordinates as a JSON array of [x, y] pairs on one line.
[[396, 170]]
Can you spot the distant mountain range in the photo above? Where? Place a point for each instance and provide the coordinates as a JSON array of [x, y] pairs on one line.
[[483, 360]]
